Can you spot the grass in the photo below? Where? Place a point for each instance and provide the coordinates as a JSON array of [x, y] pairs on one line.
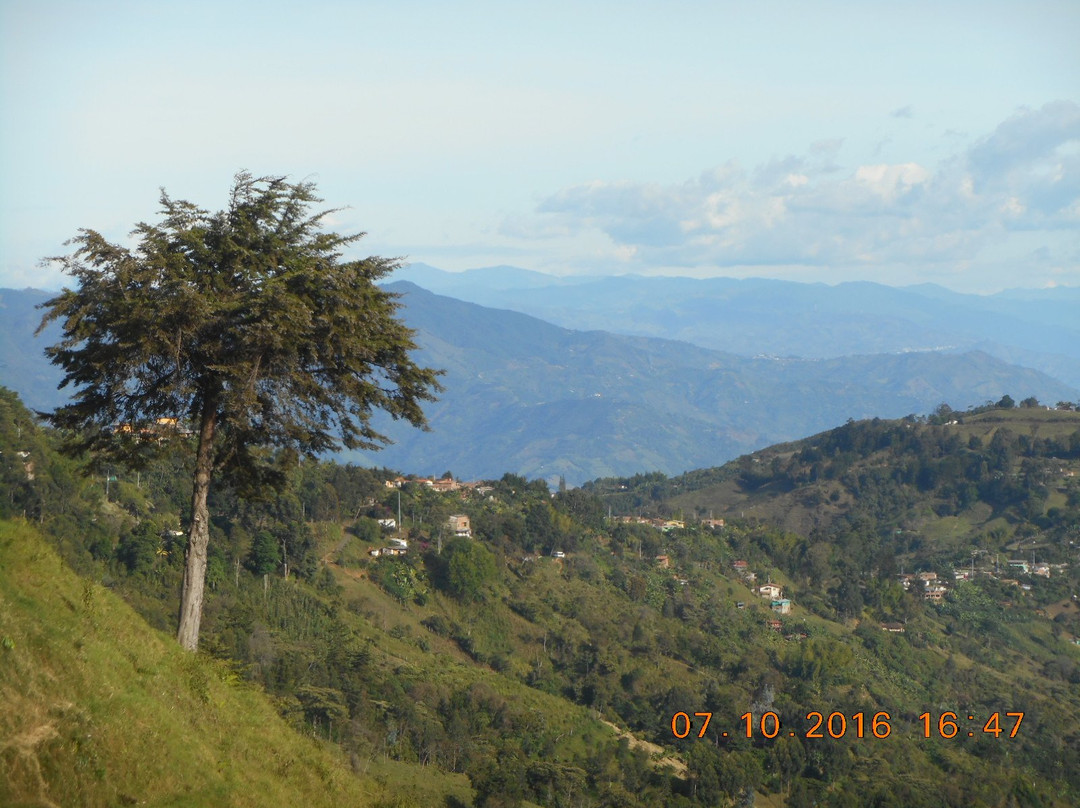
[[1021, 420], [101, 709], [405, 644]]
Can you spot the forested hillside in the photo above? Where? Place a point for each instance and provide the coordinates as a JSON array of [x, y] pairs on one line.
[[565, 648]]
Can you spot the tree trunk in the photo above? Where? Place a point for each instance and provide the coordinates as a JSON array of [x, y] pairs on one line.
[[191, 596]]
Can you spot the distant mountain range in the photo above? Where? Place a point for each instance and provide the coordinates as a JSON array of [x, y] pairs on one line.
[[23, 366], [527, 396], [1034, 328]]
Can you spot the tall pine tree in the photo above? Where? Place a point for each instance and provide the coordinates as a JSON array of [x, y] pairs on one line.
[[244, 328]]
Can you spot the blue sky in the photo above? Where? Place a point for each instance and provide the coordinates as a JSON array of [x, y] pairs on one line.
[[896, 142]]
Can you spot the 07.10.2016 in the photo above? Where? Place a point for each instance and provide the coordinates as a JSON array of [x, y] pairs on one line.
[[838, 725]]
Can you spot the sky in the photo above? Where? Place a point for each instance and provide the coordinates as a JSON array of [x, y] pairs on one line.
[[822, 142]]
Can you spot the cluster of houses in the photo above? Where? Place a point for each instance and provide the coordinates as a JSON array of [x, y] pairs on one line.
[[932, 589], [658, 523], [665, 525], [773, 592], [1034, 568], [444, 485], [458, 525]]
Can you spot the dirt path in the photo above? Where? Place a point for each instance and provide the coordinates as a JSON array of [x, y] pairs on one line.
[[656, 753], [340, 546]]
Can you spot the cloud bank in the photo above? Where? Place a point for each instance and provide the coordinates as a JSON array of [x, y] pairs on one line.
[[1013, 195]]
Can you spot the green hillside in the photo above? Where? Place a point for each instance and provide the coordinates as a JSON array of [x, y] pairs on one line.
[[988, 475], [100, 709], [559, 656]]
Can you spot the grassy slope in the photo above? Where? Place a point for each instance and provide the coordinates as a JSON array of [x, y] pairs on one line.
[[414, 653], [100, 709]]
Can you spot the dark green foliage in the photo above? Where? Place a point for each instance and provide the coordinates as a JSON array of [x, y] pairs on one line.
[[265, 555], [470, 569], [248, 312], [244, 328], [138, 549]]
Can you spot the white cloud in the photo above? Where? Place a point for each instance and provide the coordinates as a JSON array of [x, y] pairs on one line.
[[891, 181], [806, 210]]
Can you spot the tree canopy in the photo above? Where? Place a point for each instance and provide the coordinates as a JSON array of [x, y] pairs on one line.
[[245, 327]]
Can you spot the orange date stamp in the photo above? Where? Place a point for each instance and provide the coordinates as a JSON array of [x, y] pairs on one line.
[[837, 725]]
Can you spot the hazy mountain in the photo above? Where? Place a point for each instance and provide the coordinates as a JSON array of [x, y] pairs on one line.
[[527, 396], [756, 316], [537, 399], [23, 366]]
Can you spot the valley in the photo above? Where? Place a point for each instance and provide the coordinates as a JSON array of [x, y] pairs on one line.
[[545, 658]]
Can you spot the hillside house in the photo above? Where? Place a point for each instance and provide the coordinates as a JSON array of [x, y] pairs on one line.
[[663, 561], [459, 525], [893, 628], [770, 591], [935, 593], [781, 606], [713, 524]]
